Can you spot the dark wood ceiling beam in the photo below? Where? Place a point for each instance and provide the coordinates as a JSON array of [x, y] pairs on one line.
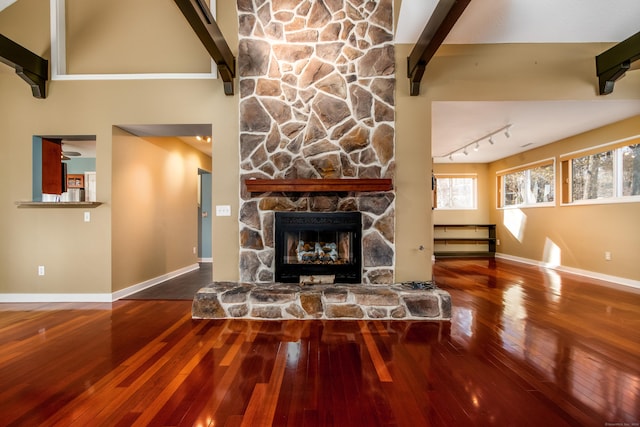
[[207, 30], [614, 62], [32, 68], [442, 20]]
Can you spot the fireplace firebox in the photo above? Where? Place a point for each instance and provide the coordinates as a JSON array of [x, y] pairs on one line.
[[309, 243]]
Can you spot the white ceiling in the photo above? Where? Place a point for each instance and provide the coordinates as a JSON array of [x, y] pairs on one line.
[[534, 123], [528, 21], [5, 3], [456, 124], [79, 148]]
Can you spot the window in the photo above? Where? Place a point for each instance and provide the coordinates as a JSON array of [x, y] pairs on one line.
[[530, 185], [592, 176], [603, 174], [456, 191], [630, 170]]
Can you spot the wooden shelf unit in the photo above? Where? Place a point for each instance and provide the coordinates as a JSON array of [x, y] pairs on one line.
[[466, 236]]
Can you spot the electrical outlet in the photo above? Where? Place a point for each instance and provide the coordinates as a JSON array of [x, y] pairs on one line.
[[194, 250], [41, 270], [498, 242], [607, 255]]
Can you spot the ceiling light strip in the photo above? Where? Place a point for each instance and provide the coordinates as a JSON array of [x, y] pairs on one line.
[[476, 142]]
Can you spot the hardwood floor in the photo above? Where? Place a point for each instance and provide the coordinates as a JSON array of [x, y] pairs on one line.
[[526, 347]]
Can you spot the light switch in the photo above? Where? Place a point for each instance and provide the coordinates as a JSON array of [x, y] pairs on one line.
[[223, 210], [87, 216]]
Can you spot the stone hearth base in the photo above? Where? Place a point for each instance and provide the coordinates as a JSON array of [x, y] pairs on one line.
[[338, 301]]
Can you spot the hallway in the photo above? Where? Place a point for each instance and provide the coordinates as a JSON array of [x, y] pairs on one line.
[[183, 287]]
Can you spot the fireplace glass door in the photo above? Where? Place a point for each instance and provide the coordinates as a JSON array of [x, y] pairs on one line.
[[318, 244]]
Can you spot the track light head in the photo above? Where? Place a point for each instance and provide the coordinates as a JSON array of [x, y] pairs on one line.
[[477, 147], [491, 141], [506, 133], [466, 153]]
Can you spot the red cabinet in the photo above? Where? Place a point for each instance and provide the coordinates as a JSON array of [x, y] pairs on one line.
[[51, 167]]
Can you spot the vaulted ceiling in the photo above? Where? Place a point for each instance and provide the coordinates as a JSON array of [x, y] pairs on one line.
[[457, 123]]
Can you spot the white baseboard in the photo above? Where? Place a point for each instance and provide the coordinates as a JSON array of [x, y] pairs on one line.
[[205, 259], [19, 298], [103, 297], [577, 271], [152, 282]]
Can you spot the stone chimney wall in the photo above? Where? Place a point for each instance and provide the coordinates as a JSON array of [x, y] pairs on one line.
[[317, 81]]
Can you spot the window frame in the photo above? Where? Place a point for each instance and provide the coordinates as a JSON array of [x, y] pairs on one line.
[[500, 193], [474, 180], [566, 173]]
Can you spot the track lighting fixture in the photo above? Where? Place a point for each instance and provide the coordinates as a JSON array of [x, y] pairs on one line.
[[476, 142]]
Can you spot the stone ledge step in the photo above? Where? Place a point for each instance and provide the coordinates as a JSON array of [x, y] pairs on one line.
[[236, 300]]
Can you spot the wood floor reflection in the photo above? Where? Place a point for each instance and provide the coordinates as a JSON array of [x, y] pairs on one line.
[[526, 347]]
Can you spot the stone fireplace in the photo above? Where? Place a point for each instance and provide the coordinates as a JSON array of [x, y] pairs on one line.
[[317, 101], [317, 105]]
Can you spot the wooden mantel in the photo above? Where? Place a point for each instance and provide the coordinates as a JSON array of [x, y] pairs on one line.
[[318, 185]]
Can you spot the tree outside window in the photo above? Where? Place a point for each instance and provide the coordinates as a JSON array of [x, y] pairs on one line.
[[592, 176], [529, 186], [631, 170], [541, 184], [610, 174]]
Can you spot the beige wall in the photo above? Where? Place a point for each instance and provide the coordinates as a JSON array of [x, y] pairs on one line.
[[581, 233], [496, 73], [142, 42], [78, 255], [226, 165], [477, 73], [154, 207], [413, 178]]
